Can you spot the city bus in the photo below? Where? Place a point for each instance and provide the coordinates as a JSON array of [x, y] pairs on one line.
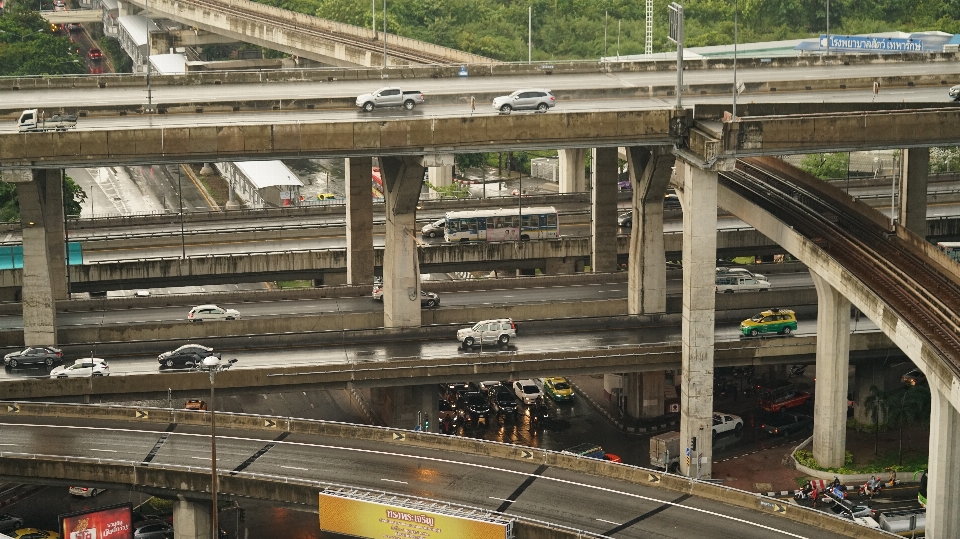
[[502, 224], [952, 248]]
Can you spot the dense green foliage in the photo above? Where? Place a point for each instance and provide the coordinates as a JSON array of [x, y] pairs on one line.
[[576, 29], [27, 47], [73, 197], [827, 166]]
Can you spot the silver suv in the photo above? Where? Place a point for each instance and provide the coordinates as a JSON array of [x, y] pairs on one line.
[[498, 331], [529, 99]]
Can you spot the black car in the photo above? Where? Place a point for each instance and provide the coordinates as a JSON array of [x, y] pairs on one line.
[[784, 423], [503, 401], [473, 408], [33, 355], [9, 522], [185, 356]]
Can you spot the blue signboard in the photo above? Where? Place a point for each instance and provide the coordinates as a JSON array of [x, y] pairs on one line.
[[871, 44], [11, 256]]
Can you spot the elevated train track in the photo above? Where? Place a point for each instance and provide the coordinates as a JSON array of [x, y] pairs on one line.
[[918, 288]]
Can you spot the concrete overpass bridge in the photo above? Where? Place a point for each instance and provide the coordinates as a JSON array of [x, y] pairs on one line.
[[306, 36], [706, 148], [257, 452]]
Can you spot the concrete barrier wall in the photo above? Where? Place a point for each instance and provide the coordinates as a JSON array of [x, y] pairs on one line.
[[497, 69], [188, 480]]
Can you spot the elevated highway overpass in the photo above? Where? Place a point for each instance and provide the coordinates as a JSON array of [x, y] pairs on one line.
[[514, 482]]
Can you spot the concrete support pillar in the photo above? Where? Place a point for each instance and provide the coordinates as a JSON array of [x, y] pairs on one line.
[[126, 8], [191, 519], [572, 170], [559, 266], [207, 169], [699, 199], [359, 172], [943, 497], [914, 170], [650, 170], [603, 223], [402, 179], [44, 258], [405, 407], [645, 395], [833, 362], [440, 177]]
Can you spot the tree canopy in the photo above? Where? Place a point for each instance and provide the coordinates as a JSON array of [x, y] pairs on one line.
[[589, 29], [28, 47]]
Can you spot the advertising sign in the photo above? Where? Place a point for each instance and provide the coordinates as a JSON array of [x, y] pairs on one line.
[[871, 44], [113, 522], [362, 518]]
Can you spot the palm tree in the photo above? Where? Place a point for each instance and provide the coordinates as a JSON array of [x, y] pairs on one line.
[[905, 406], [876, 407]]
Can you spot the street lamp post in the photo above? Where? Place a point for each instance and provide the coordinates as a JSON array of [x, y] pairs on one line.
[[213, 457]]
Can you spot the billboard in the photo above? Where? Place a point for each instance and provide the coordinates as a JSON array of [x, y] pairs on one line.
[[364, 518], [114, 522]]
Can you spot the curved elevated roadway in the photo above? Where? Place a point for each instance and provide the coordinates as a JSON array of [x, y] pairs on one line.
[[168, 451]]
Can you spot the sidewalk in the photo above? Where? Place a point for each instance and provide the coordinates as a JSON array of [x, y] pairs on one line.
[[763, 470]]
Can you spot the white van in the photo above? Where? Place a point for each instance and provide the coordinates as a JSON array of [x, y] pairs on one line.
[[906, 523], [729, 283]]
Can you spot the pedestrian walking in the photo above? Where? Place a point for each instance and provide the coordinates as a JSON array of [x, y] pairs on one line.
[[473, 104]]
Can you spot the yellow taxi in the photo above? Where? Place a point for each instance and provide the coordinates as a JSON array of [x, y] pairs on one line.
[[326, 196], [558, 389], [781, 321]]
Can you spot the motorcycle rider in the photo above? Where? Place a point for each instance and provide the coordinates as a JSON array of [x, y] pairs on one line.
[[872, 486]]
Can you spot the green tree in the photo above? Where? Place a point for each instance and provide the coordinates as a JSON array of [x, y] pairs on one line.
[[73, 197], [905, 406], [28, 48], [875, 404], [454, 190], [826, 165]]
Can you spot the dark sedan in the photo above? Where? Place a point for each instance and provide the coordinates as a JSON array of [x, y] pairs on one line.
[[10, 522], [473, 408], [33, 355], [185, 356], [503, 401]]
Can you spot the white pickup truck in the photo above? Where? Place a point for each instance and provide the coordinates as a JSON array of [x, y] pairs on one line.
[[726, 423], [33, 120], [389, 97]]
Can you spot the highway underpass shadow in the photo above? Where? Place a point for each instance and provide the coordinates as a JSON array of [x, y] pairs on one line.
[[391, 112]]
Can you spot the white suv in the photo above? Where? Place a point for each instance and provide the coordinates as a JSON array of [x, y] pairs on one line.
[[212, 312], [488, 331]]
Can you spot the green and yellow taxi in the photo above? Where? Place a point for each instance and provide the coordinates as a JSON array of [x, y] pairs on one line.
[[781, 321], [558, 389]]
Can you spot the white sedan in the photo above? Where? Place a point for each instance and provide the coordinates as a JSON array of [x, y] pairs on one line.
[[212, 312], [88, 366]]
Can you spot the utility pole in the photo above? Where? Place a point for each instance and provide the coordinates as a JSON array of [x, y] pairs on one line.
[[676, 35], [529, 33]]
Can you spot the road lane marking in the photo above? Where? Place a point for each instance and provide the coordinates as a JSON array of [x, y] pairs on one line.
[[295, 468], [501, 499], [609, 522], [394, 481], [104, 450]]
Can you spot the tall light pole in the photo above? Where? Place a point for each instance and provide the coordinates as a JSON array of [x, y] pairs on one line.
[[213, 457], [828, 26], [529, 33], [384, 34], [736, 40], [149, 89], [373, 14]]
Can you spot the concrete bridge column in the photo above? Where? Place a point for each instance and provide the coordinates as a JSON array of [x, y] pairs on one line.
[[699, 200], [943, 497], [404, 407], [573, 175], [645, 397], [360, 256], [559, 266], [650, 170], [191, 519], [402, 179], [440, 177], [833, 361], [44, 257], [914, 170], [603, 223], [126, 8]]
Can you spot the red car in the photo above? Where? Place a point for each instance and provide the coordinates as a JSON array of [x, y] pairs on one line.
[[95, 54]]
